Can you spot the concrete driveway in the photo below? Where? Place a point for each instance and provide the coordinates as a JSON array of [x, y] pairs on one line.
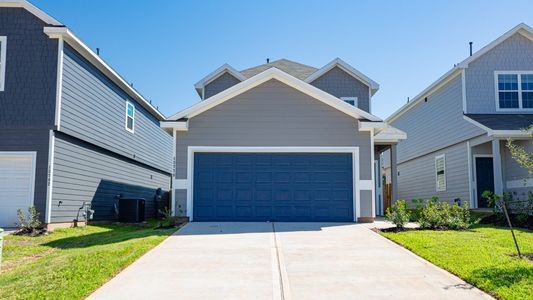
[[282, 261]]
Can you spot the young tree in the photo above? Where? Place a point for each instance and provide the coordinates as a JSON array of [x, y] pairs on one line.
[[519, 153]]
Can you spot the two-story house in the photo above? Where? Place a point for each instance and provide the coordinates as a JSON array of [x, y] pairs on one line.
[[459, 125], [73, 133], [281, 141]]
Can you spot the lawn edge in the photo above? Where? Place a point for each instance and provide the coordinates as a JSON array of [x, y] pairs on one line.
[[89, 294], [480, 291]]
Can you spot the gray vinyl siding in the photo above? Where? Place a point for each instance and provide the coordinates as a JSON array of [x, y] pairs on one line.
[[273, 114], [94, 109], [512, 171], [417, 177], [31, 140], [86, 173], [27, 104], [180, 201], [221, 83], [514, 54], [435, 124], [341, 84], [28, 99]]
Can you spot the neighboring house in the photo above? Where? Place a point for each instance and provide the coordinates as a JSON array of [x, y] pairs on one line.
[[279, 142], [459, 125], [73, 133]]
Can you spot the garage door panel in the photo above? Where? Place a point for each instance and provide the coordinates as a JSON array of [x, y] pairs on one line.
[[273, 186], [16, 186]]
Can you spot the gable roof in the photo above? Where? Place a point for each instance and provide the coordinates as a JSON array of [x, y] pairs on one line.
[[337, 62], [214, 75], [32, 9], [273, 73], [521, 28], [290, 67]]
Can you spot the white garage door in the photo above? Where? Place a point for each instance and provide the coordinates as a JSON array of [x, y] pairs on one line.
[[17, 181]]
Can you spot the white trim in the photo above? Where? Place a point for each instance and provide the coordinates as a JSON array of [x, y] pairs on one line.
[[3, 57], [463, 89], [50, 176], [225, 68], [470, 179], [214, 149], [337, 62], [132, 130], [32, 9], [33, 155], [178, 125], [521, 28], [427, 92], [274, 73], [373, 175], [437, 188], [519, 183], [173, 180], [475, 176], [59, 83], [499, 133], [518, 91], [87, 53]]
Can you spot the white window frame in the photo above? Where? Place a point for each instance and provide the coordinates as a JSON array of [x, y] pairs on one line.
[[497, 89], [132, 130], [3, 50], [354, 99], [437, 187]]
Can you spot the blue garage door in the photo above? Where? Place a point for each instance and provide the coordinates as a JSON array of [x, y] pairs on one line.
[[273, 187]]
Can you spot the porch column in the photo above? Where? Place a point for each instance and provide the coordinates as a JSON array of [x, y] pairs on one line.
[[393, 173], [497, 166]]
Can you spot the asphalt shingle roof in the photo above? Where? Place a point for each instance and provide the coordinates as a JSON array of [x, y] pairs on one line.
[[503, 121], [295, 69]]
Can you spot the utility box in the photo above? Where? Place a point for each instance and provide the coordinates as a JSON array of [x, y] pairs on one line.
[[131, 210]]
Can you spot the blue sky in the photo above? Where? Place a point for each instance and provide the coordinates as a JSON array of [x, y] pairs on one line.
[[164, 47]]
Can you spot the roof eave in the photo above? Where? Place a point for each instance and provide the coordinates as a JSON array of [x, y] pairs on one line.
[[83, 49]]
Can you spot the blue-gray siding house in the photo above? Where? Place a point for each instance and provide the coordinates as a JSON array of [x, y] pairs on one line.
[[281, 141], [458, 126], [73, 133]]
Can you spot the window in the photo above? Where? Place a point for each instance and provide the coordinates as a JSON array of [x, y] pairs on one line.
[[514, 90], [350, 100], [130, 116], [3, 49], [440, 173]]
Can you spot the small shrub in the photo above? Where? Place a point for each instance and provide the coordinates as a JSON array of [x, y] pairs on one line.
[[167, 220], [441, 215], [29, 224], [398, 214]]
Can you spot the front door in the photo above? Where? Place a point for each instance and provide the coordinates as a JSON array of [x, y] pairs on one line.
[[484, 179]]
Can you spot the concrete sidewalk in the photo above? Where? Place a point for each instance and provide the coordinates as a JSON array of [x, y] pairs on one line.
[[282, 261]]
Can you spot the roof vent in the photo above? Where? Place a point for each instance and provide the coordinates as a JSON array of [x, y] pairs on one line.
[[268, 60], [470, 43], [98, 51]]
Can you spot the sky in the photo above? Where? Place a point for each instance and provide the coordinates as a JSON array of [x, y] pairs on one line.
[[164, 47]]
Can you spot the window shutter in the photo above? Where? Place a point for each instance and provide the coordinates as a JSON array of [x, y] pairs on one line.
[[440, 170]]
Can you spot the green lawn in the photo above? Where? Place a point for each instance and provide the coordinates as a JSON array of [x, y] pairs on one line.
[[71, 263], [480, 256]]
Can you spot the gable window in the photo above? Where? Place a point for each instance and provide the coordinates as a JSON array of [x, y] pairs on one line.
[[514, 90], [440, 173], [130, 116], [3, 48], [350, 100]]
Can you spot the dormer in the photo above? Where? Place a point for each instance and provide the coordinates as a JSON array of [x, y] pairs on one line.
[[222, 78], [340, 79]]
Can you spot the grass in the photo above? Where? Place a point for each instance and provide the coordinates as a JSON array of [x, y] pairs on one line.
[[481, 256], [71, 263]]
